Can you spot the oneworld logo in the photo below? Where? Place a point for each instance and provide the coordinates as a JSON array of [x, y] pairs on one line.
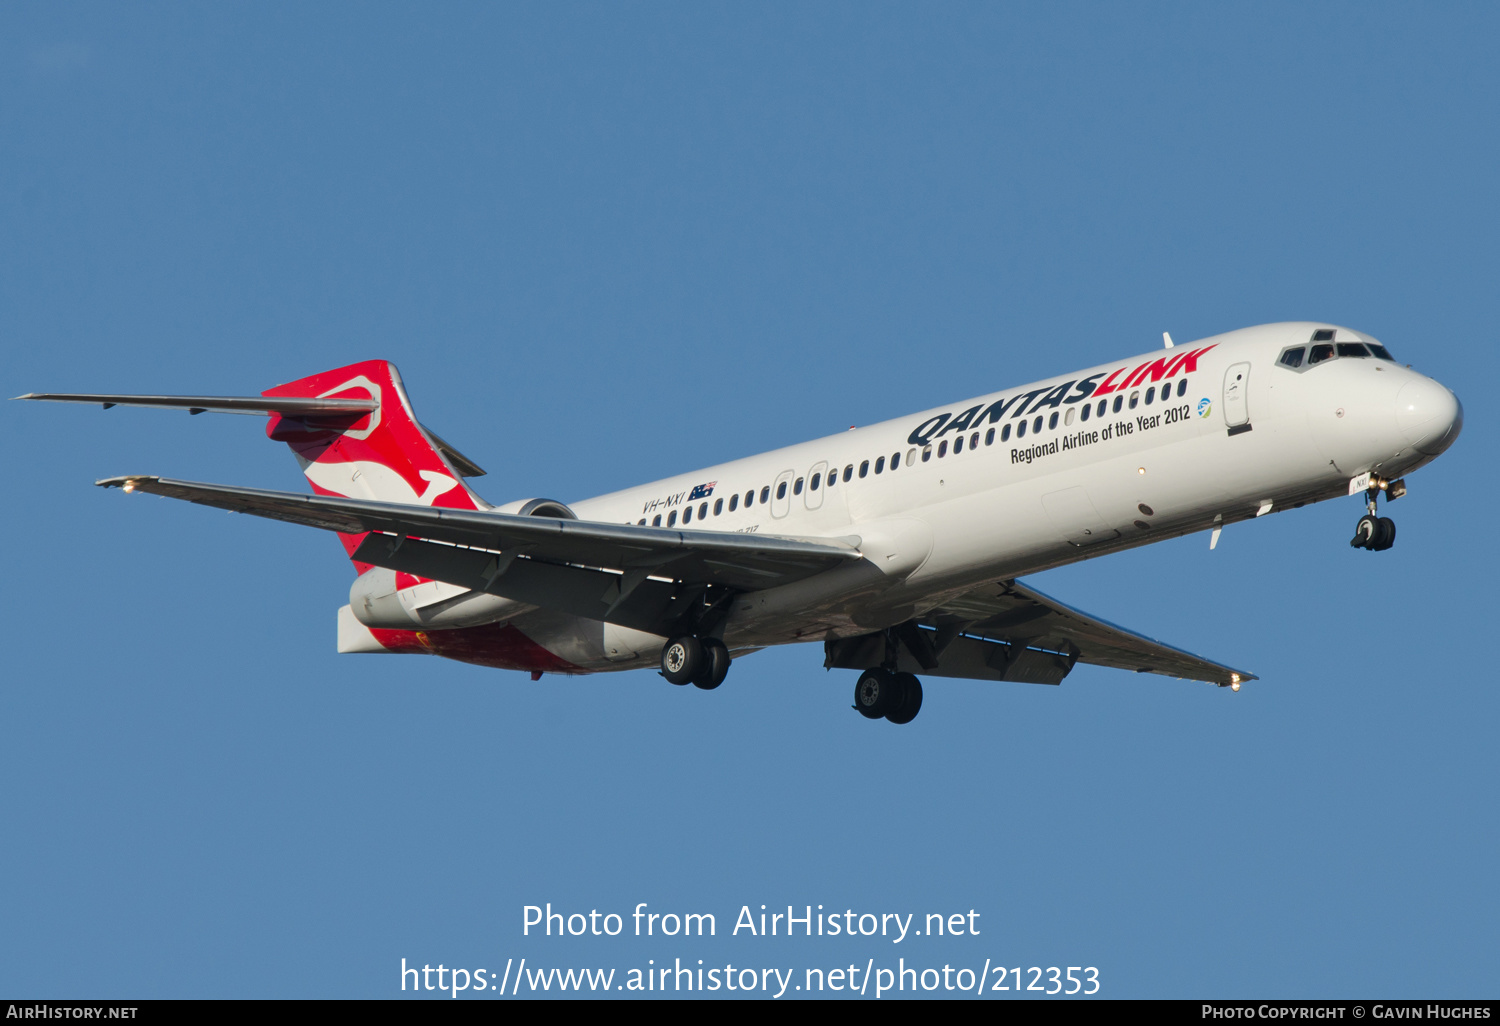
[[1204, 407]]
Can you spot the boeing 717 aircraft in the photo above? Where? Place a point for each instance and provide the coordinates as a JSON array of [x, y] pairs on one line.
[[900, 547]]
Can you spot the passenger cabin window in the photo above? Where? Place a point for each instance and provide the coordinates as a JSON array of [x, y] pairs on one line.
[[702, 510], [1319, 354], [848, 473], [880, 465], [911, 456], [1182, 388], [796, 488], [1052, 422], [974, 440], [1353, 349], [1087, 409], [734, 502], [641, 522], [926, 453], [958, 445], [781, 490], [1135, 397], [687, 515], [1072, 412], [1119, 401], [656, 520], [864, 469], [989, 437], [765, 494], [718, 506], [833, 477], [1020, 429], [672, 518], [1293, 357], [1036, 425], [942, 449], [895, 460], [812, 485], [1150, 395]]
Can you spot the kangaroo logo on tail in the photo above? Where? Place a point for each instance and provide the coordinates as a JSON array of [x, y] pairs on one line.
[[383, 455]]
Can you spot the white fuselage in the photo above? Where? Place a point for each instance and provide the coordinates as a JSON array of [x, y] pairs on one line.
[[943, 500]]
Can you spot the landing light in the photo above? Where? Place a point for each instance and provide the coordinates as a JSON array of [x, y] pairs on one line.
[[1140, 470], [1234, 682], [130, 486]]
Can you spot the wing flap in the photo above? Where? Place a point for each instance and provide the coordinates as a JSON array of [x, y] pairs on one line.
[[964, 658], [1013, 613], [1010, 632]]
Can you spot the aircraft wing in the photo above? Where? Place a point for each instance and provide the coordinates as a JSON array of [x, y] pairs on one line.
[[1008, 631], [648, 578]]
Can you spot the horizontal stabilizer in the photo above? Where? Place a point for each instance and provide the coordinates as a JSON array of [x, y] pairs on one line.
[[220, 403]]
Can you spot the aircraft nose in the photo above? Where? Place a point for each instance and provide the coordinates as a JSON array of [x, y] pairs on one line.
[[1429, 415]]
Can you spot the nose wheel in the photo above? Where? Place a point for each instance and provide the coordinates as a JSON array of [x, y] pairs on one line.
[[1373, 532]]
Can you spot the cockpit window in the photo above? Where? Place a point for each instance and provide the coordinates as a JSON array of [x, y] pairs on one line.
[[1380, 351], [1353, 349], [1320, 353], [1323, 335], [1292, 357]]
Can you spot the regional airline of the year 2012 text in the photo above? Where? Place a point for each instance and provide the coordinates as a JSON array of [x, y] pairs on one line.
[[897, 546]]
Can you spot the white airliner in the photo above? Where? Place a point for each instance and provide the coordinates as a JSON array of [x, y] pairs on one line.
[[897, 546]]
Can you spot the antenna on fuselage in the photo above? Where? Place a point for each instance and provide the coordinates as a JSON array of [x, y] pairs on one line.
[[1166, 338]]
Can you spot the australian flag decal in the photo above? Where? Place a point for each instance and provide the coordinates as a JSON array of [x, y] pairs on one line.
[[703, 491]]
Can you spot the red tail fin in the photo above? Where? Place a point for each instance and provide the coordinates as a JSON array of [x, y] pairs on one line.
[[383, 455]]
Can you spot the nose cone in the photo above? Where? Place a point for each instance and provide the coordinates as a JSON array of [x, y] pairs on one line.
[[1429, 415]]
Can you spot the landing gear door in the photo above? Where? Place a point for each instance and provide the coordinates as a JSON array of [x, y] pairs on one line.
[[781, 494], [1236, 398]]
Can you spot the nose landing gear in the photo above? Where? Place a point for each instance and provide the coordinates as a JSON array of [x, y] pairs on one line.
[[1372, 532]]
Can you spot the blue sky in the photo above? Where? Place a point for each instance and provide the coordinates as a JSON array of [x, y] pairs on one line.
[[605, 243]]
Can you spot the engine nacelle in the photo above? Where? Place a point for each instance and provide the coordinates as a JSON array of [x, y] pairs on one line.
[[538, 508], [376, 602]]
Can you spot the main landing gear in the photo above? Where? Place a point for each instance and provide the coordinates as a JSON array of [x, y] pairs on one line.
[[702, 662], [884, 693], [1377, 533]]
